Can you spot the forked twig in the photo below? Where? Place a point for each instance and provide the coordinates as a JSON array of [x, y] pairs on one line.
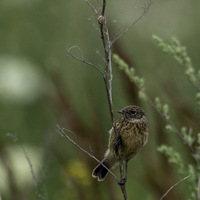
[[92, 7], [146, 9], [82, 60]]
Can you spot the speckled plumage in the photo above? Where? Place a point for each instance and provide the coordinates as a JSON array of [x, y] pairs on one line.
[[132, 135]]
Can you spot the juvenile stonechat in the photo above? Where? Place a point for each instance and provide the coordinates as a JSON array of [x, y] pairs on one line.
[[132, 134]]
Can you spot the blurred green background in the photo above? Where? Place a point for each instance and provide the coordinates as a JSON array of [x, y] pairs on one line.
[[40, 87]]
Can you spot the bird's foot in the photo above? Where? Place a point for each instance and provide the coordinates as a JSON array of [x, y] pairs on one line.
[[122, 182], [118, 143]]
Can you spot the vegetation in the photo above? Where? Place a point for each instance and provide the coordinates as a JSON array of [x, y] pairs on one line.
[[41, 87]]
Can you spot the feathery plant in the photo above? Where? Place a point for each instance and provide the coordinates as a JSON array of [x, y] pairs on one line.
[[180, 54]]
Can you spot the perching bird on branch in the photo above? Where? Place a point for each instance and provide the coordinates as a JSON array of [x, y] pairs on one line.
[[129, 136]]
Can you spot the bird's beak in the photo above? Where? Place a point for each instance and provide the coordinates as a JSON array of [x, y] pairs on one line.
[[119, 111]]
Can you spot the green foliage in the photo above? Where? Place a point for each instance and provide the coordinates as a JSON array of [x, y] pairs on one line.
[[130, 72], [169, 129], [180, 54], [166, 111], [123, 66], [158, 104], [197, 157], [173, 157], [72, 96], [140, 83], [187, 136]]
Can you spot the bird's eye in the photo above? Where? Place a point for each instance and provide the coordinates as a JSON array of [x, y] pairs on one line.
[[133, 112]]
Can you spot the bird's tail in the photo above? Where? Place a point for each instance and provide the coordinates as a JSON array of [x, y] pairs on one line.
[[100, 171]]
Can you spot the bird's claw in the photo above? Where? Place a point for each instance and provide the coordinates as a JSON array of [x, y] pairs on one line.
[[122, 182], [118, 143]]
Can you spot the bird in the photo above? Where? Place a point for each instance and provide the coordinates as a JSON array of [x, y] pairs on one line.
[[130, 132]]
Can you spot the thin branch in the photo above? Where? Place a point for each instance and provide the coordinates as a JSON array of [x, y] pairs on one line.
[[175, 186], [103, 8], [123, 189], [82, 60], [70, 132], [67, 137], [107, 76], [146, 9], [92, 7], [108, 85]]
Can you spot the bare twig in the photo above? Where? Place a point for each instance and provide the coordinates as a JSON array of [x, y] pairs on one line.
[[123, 189], [108, 85], [89, 154], [82, 60], [70, 132], [107, 76], [92, 7], [175, 186], [103, 7], [146, 9]]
